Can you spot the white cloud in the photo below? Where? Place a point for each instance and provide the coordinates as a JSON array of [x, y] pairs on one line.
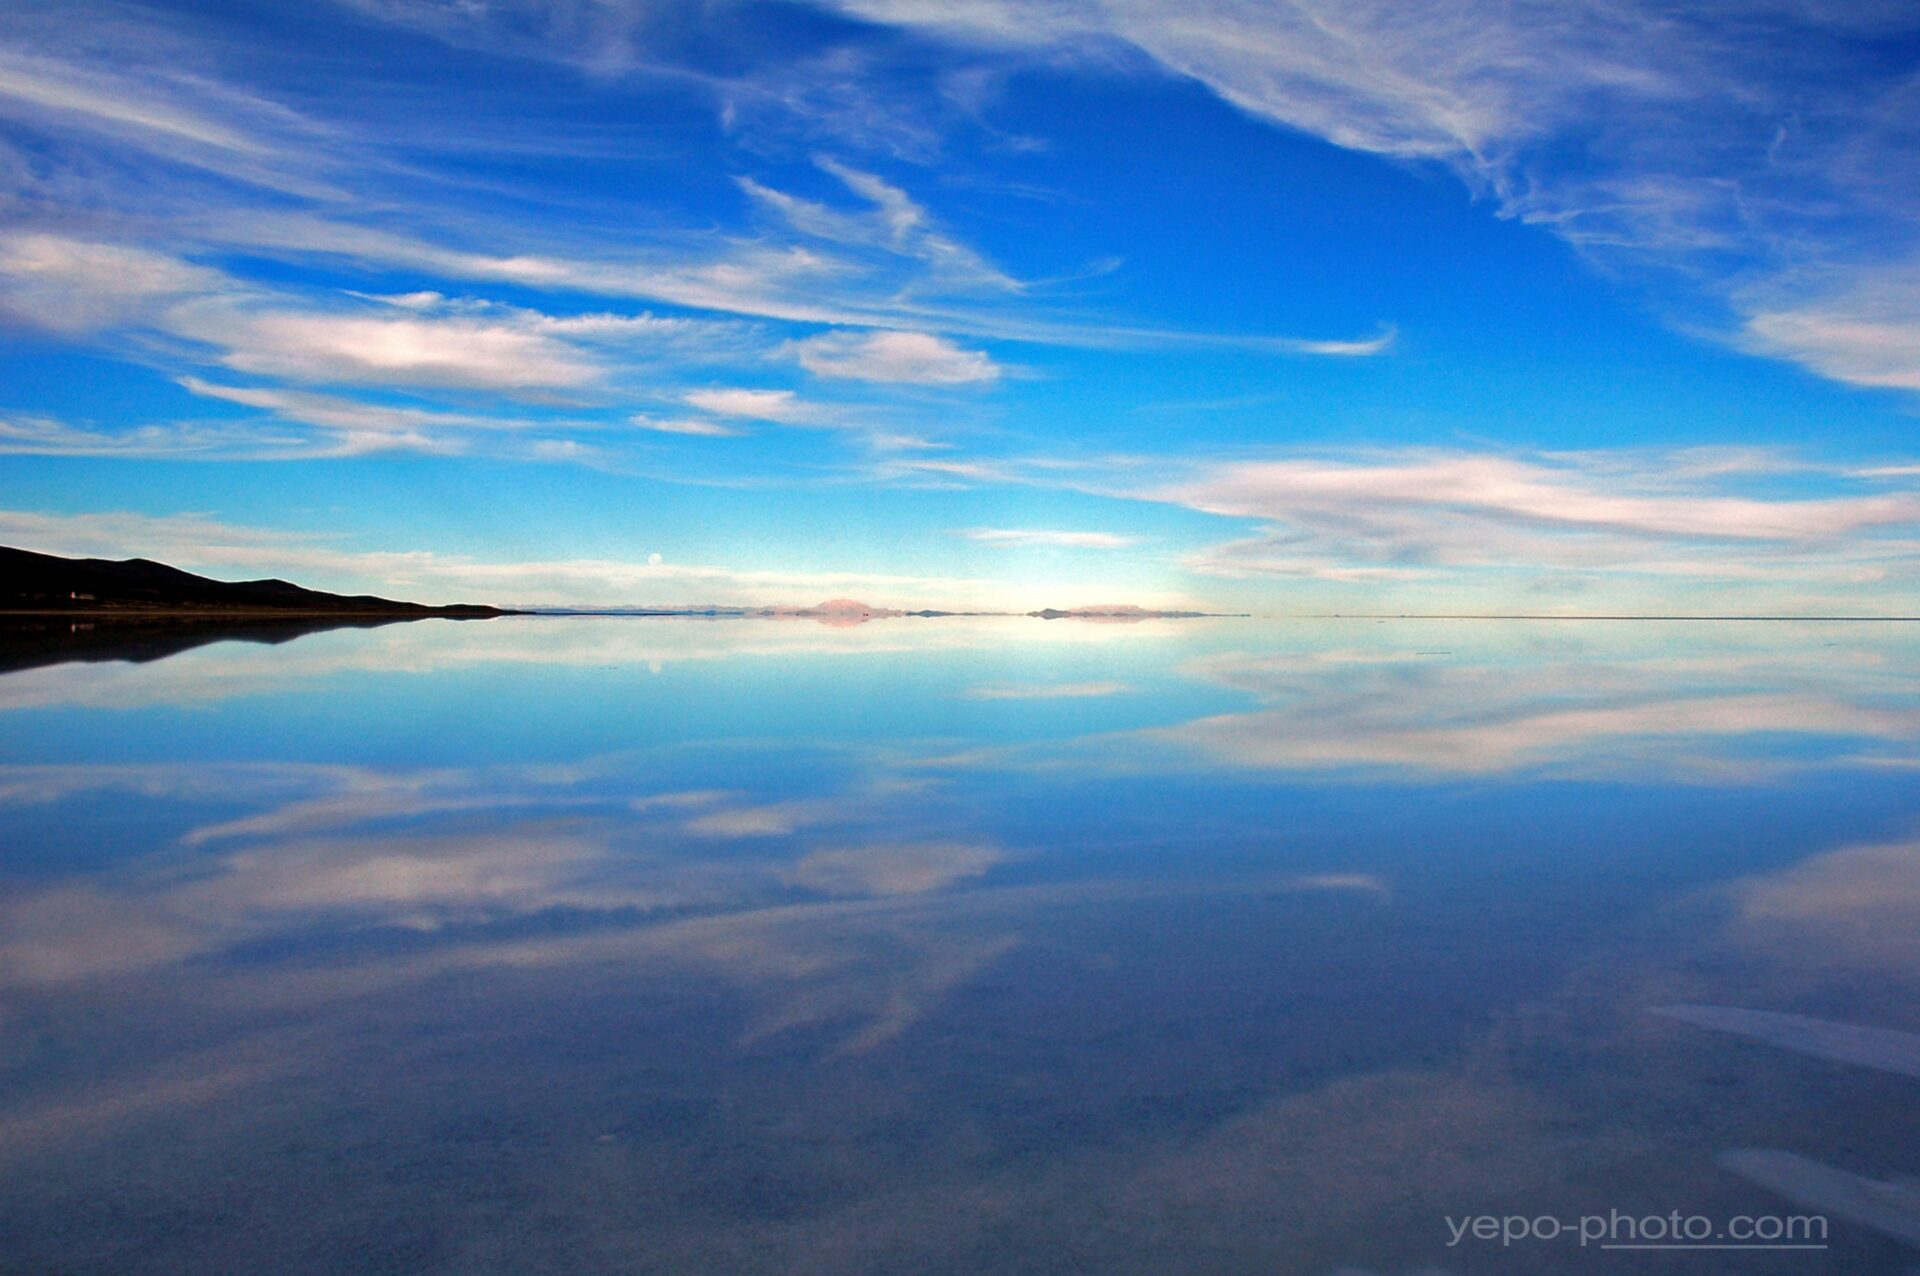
[[779, 406], [764, 405], [74, 285], [1046, 538], [371, 349], [1869, 335], [424, 339], [420, 340], [917, 358]]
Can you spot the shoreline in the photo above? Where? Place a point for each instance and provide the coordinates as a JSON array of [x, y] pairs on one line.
[[259, 613]]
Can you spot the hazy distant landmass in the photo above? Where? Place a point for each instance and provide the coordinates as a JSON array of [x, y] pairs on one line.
[[1114, 611], [833, 611], [842, 612], [43, 584]]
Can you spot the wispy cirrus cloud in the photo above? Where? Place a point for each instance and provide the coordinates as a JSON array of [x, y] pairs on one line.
[[127, 87], [102, 100], [894, 223], [187, 210], [814, 282], [684, 425], [873, 254], [1564, 492], [35, 435], [1442, 518], [354, 416], [1763, 149]]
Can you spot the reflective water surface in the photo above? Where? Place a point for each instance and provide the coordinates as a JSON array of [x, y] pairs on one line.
[[669, 945]]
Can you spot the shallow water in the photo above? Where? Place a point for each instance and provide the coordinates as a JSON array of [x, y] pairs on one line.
[[667, 945]]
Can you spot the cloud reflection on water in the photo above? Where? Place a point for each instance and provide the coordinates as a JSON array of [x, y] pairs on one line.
[[958, 972]]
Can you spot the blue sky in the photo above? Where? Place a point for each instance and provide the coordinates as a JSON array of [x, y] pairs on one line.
[[1274, 307]]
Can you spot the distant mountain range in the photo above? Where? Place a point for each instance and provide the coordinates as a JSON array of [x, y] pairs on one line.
[[34, 584], [844, 612], [43, 583]]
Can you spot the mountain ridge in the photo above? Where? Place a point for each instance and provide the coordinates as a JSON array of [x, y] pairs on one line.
[[33, 583]]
